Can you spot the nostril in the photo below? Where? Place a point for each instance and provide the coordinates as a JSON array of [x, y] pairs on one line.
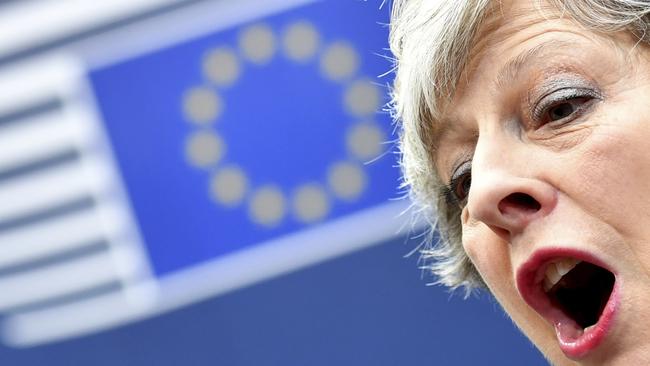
[[519, 203]]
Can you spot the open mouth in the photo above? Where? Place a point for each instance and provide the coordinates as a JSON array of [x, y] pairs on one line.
[[581, 292], [574, 294]]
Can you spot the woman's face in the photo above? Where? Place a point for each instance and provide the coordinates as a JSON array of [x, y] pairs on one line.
[[554, 122]]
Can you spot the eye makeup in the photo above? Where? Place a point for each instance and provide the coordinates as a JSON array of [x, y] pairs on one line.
[[559, 96], [457, 190], [566, 88]]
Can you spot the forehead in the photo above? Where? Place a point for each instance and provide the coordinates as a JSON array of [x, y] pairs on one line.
[[506, 19], [505, 22], [515, 34]]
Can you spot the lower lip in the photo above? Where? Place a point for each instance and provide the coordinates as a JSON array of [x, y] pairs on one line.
[[578, 347]]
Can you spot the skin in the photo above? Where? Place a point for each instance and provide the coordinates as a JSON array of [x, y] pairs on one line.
[[589, 172]]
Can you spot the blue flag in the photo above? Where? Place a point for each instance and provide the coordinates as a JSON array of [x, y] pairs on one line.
[[197, 167]]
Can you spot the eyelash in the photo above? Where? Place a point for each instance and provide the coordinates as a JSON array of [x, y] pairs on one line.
[[461, 176], [561, 97]]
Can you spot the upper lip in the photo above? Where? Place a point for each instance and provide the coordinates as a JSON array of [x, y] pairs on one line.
[[531, 273]]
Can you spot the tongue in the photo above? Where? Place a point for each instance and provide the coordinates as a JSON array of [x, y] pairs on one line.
[[567, 330]]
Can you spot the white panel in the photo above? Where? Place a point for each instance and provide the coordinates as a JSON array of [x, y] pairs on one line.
[[37, 81], [27, 24], [37, 138], [27, 84], [57, 235], [44, 189], [56, 280]]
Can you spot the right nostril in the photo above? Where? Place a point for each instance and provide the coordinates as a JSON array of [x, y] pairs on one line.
[[520, 202]]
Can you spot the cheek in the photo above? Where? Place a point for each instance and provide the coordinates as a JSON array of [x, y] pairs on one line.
[[490, 255], [612, 177], [492, 258], [609, 178]]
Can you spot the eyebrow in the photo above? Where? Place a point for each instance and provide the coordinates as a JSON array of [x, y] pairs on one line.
[[511, 70]]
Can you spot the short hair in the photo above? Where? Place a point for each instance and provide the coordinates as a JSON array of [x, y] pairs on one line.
[[431, 41]]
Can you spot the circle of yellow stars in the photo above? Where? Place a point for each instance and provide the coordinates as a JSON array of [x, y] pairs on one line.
[[229, 185]]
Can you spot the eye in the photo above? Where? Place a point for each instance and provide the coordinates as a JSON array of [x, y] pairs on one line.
[[563, 106], [565, 109], [460, 184]]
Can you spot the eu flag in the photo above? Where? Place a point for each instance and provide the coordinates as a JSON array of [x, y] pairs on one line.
[[253, 133], [232, 156]]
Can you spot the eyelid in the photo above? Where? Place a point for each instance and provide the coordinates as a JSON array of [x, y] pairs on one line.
[[450, 190], [461, 169], [560, 95]]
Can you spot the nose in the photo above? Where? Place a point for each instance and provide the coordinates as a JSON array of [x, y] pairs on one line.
[[505, 200]]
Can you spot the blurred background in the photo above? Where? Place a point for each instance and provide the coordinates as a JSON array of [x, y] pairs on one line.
[[214, 182]]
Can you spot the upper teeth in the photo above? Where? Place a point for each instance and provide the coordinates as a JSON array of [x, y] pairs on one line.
[[557, 269]]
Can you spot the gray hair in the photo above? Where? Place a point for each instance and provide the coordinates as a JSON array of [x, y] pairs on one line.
[[431, 41]]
